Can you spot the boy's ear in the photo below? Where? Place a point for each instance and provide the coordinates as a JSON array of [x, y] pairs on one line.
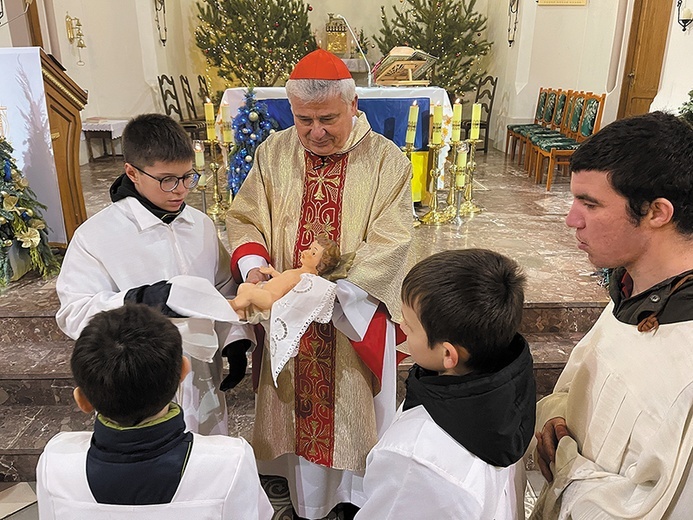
[[185, 368], [82, 401], [131, 172], [454, 356]]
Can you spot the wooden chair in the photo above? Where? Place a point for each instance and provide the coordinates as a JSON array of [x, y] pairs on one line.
[[188, 98], [512, 136], [559, 127], [567, 137], [169, 95], [203, 90], [546, 122], [559, 153], [485, 93]]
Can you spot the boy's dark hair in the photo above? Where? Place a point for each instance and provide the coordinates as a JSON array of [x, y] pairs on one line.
[[471, 298], [127, 361], [149, 138], [645, 157]]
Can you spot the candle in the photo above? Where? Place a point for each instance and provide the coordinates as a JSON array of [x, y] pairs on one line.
[[199, 148], [476, 117], [411, 123], [456, 121], [209, 120], [437, 124], [462, 158], [226, 131]]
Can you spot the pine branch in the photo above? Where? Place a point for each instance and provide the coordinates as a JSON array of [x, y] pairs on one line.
[[447, 29]]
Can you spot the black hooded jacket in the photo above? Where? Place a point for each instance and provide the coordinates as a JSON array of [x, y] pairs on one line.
[[492, 415]]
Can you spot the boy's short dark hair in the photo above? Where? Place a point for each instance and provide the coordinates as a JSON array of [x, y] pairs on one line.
[[149, 138], [645, 157], [471, 298], [127, 361]]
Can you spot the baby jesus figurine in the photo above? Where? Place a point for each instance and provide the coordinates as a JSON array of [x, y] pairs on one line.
[[320, 259]]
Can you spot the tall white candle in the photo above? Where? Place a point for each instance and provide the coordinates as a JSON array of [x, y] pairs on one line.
[[210, 120], [476, 118], [411, 123]]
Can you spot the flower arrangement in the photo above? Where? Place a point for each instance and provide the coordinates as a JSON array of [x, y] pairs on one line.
[[23, 237]]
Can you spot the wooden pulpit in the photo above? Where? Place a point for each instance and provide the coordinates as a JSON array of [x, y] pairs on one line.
[[64, 100]]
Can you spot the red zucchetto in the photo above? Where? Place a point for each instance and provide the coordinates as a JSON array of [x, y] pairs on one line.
[[320, 64]]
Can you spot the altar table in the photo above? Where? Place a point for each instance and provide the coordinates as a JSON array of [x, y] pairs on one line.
[[102, 128], [387, 110]]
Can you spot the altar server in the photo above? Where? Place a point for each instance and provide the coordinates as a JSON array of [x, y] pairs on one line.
[[140, 462]]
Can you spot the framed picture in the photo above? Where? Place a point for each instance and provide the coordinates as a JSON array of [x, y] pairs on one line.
[[562, 2]]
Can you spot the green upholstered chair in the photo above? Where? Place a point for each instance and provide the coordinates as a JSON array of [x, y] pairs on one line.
[[559, 151], [512, 135]]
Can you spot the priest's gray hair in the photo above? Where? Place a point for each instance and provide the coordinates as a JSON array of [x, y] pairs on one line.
[[320, 90]]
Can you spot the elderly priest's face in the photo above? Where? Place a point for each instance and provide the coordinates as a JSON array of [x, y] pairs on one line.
[[324, 127]]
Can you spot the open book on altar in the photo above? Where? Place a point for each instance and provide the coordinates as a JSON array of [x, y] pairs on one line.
[[404, 66]]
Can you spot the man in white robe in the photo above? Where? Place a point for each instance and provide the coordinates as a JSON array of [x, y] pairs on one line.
[[615, 437]]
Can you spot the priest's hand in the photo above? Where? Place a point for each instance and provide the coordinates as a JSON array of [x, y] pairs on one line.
[[547, 442], [255, 276]]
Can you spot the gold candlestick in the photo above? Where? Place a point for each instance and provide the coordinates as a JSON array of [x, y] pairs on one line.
[[408, 149], [435, 215], [217, 211], [458, 173], [469, 207]]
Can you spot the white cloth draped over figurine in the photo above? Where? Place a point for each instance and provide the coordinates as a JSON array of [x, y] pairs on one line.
[[312, 299]]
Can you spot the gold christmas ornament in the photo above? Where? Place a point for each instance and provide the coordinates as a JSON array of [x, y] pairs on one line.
[[29, 238]]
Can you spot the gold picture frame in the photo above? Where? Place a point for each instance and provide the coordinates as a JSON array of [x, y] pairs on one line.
[[562, 2]]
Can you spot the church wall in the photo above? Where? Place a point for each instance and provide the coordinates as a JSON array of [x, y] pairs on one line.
[[5, 37], [568, 47], [579, 47]]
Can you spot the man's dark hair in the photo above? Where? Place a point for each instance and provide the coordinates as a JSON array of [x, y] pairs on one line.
[[149, 138], [645, 157], [471, 298], [127, 361]]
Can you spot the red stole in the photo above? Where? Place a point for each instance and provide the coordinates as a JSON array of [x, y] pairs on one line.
[[314, 366]]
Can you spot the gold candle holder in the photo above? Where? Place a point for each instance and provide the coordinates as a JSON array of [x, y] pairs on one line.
[[435, 215], [408, 149], [217, 211], [455, 194], [469, 207]]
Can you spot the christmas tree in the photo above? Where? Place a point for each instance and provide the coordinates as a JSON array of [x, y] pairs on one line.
[[447, 29], [22, 228], [686, 110], [255, 41], [251, 126]]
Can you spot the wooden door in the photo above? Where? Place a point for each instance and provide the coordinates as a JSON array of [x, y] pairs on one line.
[[646, 44]]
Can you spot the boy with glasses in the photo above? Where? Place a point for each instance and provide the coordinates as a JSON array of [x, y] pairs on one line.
[[130, 250]]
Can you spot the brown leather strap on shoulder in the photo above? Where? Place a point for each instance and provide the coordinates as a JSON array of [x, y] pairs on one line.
[[651, 323]]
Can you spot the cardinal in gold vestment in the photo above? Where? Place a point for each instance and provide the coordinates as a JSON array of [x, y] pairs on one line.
[[329, 174]]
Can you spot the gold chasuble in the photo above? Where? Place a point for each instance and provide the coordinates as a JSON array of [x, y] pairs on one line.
[[360, 197]]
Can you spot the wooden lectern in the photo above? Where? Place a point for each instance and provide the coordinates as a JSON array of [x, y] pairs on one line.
[[64, 100]]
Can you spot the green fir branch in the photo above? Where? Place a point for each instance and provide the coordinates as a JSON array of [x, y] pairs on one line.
[[447, 29]]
